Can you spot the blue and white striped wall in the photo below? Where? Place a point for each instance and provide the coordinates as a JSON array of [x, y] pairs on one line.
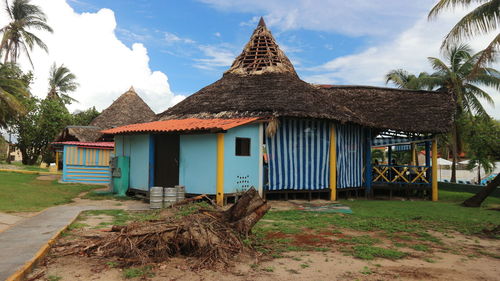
[[299, 155], [86, 165]]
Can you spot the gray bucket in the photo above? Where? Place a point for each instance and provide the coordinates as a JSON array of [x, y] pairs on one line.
[[181, 192], [155, 197], [169, 196]]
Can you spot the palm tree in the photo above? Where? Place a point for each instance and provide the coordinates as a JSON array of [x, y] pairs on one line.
[[405, 80], [12, 90], [482, 20], [16, 35], [61, 82], [455, 77]]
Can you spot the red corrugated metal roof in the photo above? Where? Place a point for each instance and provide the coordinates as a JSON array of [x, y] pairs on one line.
[[87, 144], [181, 125]]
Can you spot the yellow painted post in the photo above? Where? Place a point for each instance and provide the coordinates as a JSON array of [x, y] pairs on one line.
[[333, 164], [434, 171], [57, 160], [219, 197], [413, 154]]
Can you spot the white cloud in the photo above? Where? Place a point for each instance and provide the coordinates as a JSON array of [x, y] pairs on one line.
[[353, 17], [105, 67], [409, 50], [171, 38], [218, 56], [217, 34]]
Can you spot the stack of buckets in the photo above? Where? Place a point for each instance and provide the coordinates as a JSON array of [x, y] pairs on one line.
[[164, 197]]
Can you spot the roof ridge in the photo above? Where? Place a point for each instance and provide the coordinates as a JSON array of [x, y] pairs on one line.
[[261, 55]]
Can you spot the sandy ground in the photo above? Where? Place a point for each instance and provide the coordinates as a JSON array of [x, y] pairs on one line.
[[294, 266], [457, 258]]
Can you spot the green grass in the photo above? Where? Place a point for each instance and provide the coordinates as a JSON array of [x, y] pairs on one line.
[[268, 269], [24, 193], [188, 209], [366, 271], [105, 195], [142, 272], [360, 240], [21, 166], [420, 247], [54, 278], [369, 253], [402, 222]]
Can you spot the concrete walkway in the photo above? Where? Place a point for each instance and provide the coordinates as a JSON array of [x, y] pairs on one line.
[[22, 242]]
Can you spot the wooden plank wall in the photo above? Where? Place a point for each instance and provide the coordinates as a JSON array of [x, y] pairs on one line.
[[86, 165]]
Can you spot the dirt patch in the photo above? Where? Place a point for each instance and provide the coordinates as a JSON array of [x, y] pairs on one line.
[[310, 239], [97, 221], [453, 256], [48, 177]]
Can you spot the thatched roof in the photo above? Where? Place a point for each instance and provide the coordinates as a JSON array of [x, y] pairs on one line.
[[397, 109], [261, 55], [270, 94], [262, 82], [129, 108], [79, 133]]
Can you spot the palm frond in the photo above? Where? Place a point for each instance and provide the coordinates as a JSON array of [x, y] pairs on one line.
[[439, 65], [450, 4], [490, 53], [481, 20], [398, 77], [478, 92]]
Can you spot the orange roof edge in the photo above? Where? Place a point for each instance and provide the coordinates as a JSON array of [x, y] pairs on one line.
[[184, 125]]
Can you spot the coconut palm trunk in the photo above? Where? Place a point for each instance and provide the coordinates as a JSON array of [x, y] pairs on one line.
[[477, 200]]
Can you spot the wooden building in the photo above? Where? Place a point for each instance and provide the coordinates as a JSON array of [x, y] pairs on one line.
[[260, 125]]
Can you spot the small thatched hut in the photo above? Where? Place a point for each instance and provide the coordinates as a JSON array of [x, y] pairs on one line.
[[261, 125], [86, 151]]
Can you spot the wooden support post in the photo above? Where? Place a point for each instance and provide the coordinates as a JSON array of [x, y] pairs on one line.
[[57, 161], [368, 169], [219, 197], [434, 171], [333, 164], [413, 154]]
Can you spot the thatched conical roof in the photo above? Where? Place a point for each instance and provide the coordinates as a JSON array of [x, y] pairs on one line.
[[261, 55], [260, 82], [129, 108]]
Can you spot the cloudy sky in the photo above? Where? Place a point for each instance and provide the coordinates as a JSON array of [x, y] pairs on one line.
[[170, 49]]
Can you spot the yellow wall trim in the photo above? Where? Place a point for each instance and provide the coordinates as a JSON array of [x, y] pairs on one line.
[[434, 171]]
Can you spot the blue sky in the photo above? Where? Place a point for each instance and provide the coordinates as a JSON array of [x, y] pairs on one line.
[[180, 36], [169, 49]]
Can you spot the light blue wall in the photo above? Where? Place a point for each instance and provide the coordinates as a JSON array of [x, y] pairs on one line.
[[198, 159], [241, 172], [137, 147], [198, 162]]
